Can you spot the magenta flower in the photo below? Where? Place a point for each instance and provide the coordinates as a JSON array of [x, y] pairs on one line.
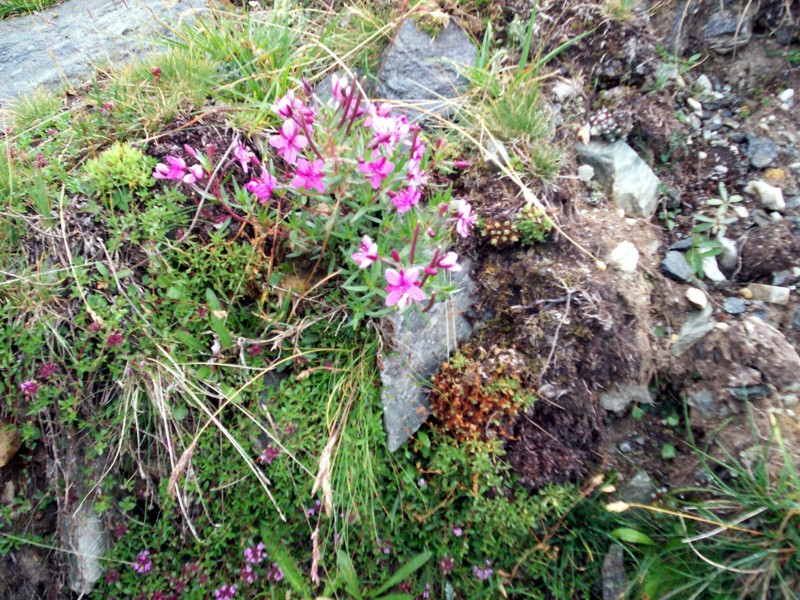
[[29, 388], [256, 554], [226, 592], [309, 175], [403, 288], [376, 171], [284, 106], [245, 156], [465, 219], [483, 574], [262, 188], [195, 173], [289, 141], [415, 177], [405, 199], [114, 340], [339, 88], [174, 169], [143, 564], [47, 370], [457, 531], [247, 574], [269, 454], [448, 262], [275, 573], [367, 253], [447, 564]]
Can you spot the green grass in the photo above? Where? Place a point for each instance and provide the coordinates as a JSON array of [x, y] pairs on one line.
[[13, 8]]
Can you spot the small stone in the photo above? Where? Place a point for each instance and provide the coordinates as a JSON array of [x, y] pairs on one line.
[[729, 255], [734, 306], [622, 395], [675, 267], [10, 443], [746, 293], [721, 169], [638, 490], [695, 106], [703, 402], [496, 156], [696, 327], [704, 84], [697, 297], [683, 244], [585, 173], [769, 293], [740, 211], [727, 30], [615, 583], [786, 277], [624, 257], [775, 174], [751, 392], [762, 151], [625, 446], [786, 95], [771, 197], [796, 320], [702, 155], [711, 270]]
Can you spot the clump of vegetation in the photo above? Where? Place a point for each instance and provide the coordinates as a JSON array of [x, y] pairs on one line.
[[499, 233], [120, 167], [533, 225]]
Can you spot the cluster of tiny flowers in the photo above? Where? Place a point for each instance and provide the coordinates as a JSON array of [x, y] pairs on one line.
[[143, 564], [483, 573], [226, 592], [29, 388], [256, 554]]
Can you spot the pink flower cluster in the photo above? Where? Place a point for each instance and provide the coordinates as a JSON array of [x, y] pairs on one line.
[[175, 168]]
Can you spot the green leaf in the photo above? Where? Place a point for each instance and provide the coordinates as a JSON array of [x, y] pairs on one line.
[[211, 300], [668, 451], [673, 420], [189, 340], [102, 269], [396, 597], [404, 572], [348, 573], [218, 325], [180, 412], [632, 536], [637, 413], [174, 292], [281, 555]]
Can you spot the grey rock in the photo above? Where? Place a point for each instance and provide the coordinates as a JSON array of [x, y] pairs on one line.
[[423, 342], [628, 180], [496, 156], [638, 490], [796, 319], [418, 69], [703, 402], [64, 43], [761, 151], [786, 277], [793, 202], [622, 395], [675, 267], [696, 327], [683, 244], [727, 30], [625, 446], [770, 293], [86, 539], [768, 351], [734, 306], [751, 392], [711, 270], [615, 584]]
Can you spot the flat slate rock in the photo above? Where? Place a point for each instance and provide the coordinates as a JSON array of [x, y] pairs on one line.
[[422, 343], [63, 44], [418, 70]]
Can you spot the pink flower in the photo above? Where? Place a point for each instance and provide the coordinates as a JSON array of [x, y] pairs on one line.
[[47, 370], [448, 262], [465, 220], [262, 188], [388, 130], [29, 388], [403, 288], [245, 156], [376, 171], [415, 177], [483, 574], [339, 88], [289, 141], [457, 531], [285, 106], [405, 199], [275, 573], [143, 564], [367, 253], [194, 174], [114, 340], [269, 454], [255, 554], [247, 574], [174, 169], [226, 592], [309, 175]]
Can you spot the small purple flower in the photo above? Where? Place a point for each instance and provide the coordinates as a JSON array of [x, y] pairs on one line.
[[269, 454], [457, 531], [114, 340], [175, 168], [112, 576], [289, 141], [29, 388], [194, 174], [403, 287], [47, 370], [465, 219], [226, 592], [247, 574], [275, 573], [405, 199], [427, 593], [255, 554], [446, 564], [263, 187], [245, 156], [310, 512], [367, 253], [483, 574], [143, 564], [376, 171], [449, 262]]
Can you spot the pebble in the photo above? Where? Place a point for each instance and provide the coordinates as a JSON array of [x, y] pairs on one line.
[[740, 211], [625, 446], [751, 392], [786, 95], [697, 297], [762, 151], [746, 293], [772, 294], [796, 320], [704, 84], [786, 277], [683, 244], [675, 267], [711, 270], [775, 174], [696, 107], [734, 306], [729, 253], [585, 173], [624, 257], [721, 169], [771, 197], [10, 442]]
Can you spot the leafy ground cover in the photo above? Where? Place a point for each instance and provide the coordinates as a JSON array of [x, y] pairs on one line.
[[194, 277]]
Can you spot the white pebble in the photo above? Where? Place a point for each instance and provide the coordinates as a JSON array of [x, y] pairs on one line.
[[624, 257], [702, 155], [697, 297], [696, 107], [771, 197], [585, 173]]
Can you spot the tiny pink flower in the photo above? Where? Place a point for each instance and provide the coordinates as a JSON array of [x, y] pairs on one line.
[[448, 262], [403, 288], [284, 105], [226, 592], [262, 188], [309, 175], [256, 554], [415, 177], [114, 340], [190, 151], [174, 169], [339, 88], [245, 156], [275, 573], [247, 574], [406, 199], [483, 574], [143, 564], [367, 253], [289, 141], [47, 370], [376, 171], [465, 219], [457, 531], [29, 388], [269, 454], [194, 174]]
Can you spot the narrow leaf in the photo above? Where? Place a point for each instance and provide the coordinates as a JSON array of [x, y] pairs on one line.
[[348, 573], [632, 536], [404, 572], [279, 554]]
